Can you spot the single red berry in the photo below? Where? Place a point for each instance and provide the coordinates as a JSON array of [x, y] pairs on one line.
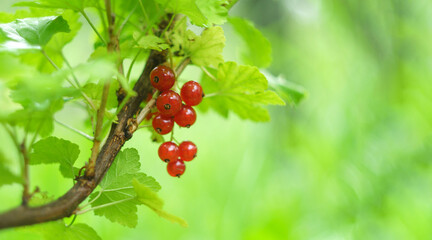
[[168, 152], [185, 117], [162, 125], [169, 103], [187, 151], [162, 78], [192, 93], [176, 168]]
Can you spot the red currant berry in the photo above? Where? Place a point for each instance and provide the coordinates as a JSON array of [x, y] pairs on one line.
[[187, 150], [169, 103], [192, 93], [168, 152], [185, 117], [162, 125], [176, 168], [162, 78]]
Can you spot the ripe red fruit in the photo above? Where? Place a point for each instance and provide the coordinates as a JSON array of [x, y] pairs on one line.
[[185, 117], [192, 93], [176, 168], [169, 103], [187, 150], [162, 125], [162, 78], [168, 152]]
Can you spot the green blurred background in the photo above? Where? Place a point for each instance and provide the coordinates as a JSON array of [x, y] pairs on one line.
[[352, 161]]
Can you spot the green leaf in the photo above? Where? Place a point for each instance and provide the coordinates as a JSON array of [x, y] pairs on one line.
[[58, 229], [206, 49], [150, 42], [94, 92], [35, 120], [56, 150], [214, 10], [258, 48], [6, 176], [186, 7], [117, 187], [149, 197], [54, 47], [31, 33], [291, 92], [76, 5], [241, 89]]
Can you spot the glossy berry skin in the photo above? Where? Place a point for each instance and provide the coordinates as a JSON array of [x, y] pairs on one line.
[[162, 78], [176, 168], [168, 152], [186, 117], [187, 151], [162, 125], [192, 93], [169, 103]]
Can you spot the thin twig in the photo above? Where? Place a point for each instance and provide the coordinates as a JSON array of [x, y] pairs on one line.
[[75, 130], [93, 27], [90, 171], [25, 174], [98, 130]]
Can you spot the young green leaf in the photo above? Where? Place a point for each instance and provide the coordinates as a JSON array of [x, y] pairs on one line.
[[149, 197], [56, 150], [241, 89], [214, 10], [58, 229], [116, 187], [291, 92], [257, 50], [186, 7], [31, 33], [206, 49], [150, 42]]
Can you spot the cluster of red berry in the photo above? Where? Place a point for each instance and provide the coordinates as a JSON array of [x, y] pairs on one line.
[[171, 109]]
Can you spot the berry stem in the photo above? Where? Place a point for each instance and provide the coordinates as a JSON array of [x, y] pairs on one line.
[[172, 134], [212, 94], [182, 65]]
